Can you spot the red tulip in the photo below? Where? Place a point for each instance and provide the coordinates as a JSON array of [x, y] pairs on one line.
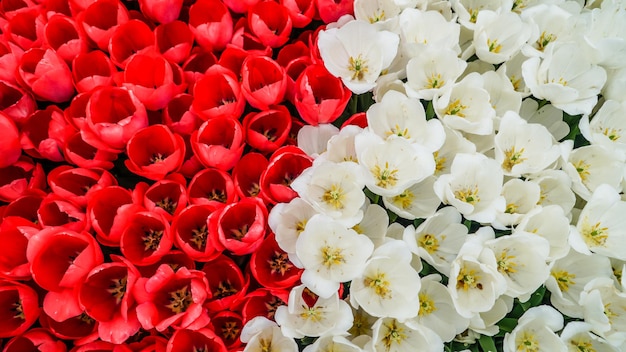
[[78, 152], [46, 75], [264, 81], [319, 96], [240, 6], [19, 307], [51, 7], [196, 66], [96, 346], [175, 259], [25, 206], [78, 328], [10, 147], [61, 34], [177, 115], [286, 164], [263, 302], [228, 326], [300, 11], [77, 184], [56, 211], [37, 339], [271, 267], [226, 283], [332, 10], [106, 295], [218, 143], [213, 187], [15, 103], [172, 299], [247, 174], [25, 28], [62, 258], [114, 115], [267, 130], [108, 211], [91, 70], [21, 177], [270, 22], [153, 79], [232, 58], [15, 232], [9, 8], [190, 231], [161, 11], [166, 198], [146, 238], [127, 39], [211, 24], [195, 340], [44, 133], [240, 227], [154, 152], [218, 94], [101, 18], [174, 40], [10, 55]]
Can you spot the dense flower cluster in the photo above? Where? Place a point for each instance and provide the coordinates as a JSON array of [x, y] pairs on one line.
[[316, 175]]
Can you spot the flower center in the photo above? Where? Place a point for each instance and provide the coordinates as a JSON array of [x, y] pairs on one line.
[[439, 162], [511, 208], [516, 82], [560, 81], [394, 335], [18, 308], [86, 318], [271, 306], [429, 242], [358, 67], [544, 40], [224, 289], [157, 158], [427, 305], [239, 233], [609, 313], [217, 195], [311, 313], [377, 16], [117, 288], [564, 279], [385, 177], [379, 284], [404, 200], [527, 343], [266, 345], [199, 236], [455, 108], [254, 189], [494, 46], [468, 195], [230, 330], [180, 300], [279, 264], [595, 235], [398, 131], [434, 81], [512, 158], [506, 264], [300, 225], [167, 204], [583, 169], [583, 345], [612, 133], [331, 256], [270, 134], [467, 279], [152, 239], [334, 196]]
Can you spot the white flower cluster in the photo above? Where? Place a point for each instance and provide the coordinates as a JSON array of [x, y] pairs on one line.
[[467, 128]]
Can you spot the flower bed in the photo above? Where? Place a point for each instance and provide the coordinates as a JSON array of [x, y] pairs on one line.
[[368, 175]]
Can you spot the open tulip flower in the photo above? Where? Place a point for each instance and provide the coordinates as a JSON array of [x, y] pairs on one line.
[[312, 175]]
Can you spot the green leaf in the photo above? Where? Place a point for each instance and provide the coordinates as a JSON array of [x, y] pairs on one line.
[[430, 110], [487, 344], [374, 198], [506, 325]]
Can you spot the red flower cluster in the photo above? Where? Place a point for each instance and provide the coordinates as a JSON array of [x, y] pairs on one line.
[[143, 145]]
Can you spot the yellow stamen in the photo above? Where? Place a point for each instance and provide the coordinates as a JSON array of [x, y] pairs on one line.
[[564, 279]]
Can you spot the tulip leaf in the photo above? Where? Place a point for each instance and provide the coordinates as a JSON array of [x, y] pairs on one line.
[[506, 325], [487, 344], [430, 110]]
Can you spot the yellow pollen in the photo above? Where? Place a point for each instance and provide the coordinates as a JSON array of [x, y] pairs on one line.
[[493, 45], [152, 239], [612, 133], [455, 108], [511, 208], [254, 189], [311, 313], [334, 196], [560, 81], [180, 300], [618, 274], [358, 67], [544, 40], [394, 335], [506, 264], [331, 256], [434, 81], [427, 305], [404, 200], [429, 242], [473, 15], [117, 289], [167, 204], [468, 195], [512, 158], [467, 279], [564, 279], [238, 234], [157, 158], [18, 308], [398, 131], [224, 289], [385, 177], [583, 169], [609, 313], [379, 284], [230, 330], [199, 236], [439, 162], [266, 345], [300, 225], [379, 15], [594, 235], [527, 342], [279, 264], [582, 345]]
